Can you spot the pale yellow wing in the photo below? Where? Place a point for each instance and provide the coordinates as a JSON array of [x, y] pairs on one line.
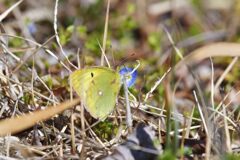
[[98, 88]]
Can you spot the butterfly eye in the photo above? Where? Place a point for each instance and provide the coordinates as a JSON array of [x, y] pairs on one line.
[[130, 77]]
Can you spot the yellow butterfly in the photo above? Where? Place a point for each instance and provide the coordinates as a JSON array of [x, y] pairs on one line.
[[98, 88]]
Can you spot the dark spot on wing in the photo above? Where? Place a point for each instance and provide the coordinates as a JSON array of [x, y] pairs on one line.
[[92, 74], [113, 81]]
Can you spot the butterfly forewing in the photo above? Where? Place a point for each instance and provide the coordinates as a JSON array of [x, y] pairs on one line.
[[80, 81]]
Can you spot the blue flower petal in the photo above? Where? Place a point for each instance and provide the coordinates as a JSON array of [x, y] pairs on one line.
[[32, 27], [131, 78]]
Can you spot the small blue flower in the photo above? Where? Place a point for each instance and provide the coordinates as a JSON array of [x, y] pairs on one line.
[[131, 78], [32, 27]]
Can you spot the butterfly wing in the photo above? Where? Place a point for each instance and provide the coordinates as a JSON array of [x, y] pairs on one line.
[[98, 88]]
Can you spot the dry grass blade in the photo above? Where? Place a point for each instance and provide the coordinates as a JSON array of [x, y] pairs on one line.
[[208, 143], [55, 27], [4, 14], [128, 109], [226, 71], [17, 124], [22, 62], [226, 127], [212, 83], [156, 84], [220, 49], [105, 34], [11, 50]]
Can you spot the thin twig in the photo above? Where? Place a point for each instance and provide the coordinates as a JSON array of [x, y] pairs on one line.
[[128, 109], [19, 60], [226, 71], [157, 83], [172, 42], [103, 53], [201, 113], [22, 62], [208, 143], [73, 141], [38, 45], [227, 118], [4, 14], [105, 33], [212, 83], [56, 33], [228, 139]]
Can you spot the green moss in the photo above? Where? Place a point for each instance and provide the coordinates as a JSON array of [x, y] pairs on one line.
[[65, 34], [231, 157], [82, 31], [131, 8], [91, 43], [16, 42], [167, 155], [154, 40], [105, 130], [27, 98]]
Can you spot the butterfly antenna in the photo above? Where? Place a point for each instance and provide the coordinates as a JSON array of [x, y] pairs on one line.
[[113, 59], [124, 60]]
